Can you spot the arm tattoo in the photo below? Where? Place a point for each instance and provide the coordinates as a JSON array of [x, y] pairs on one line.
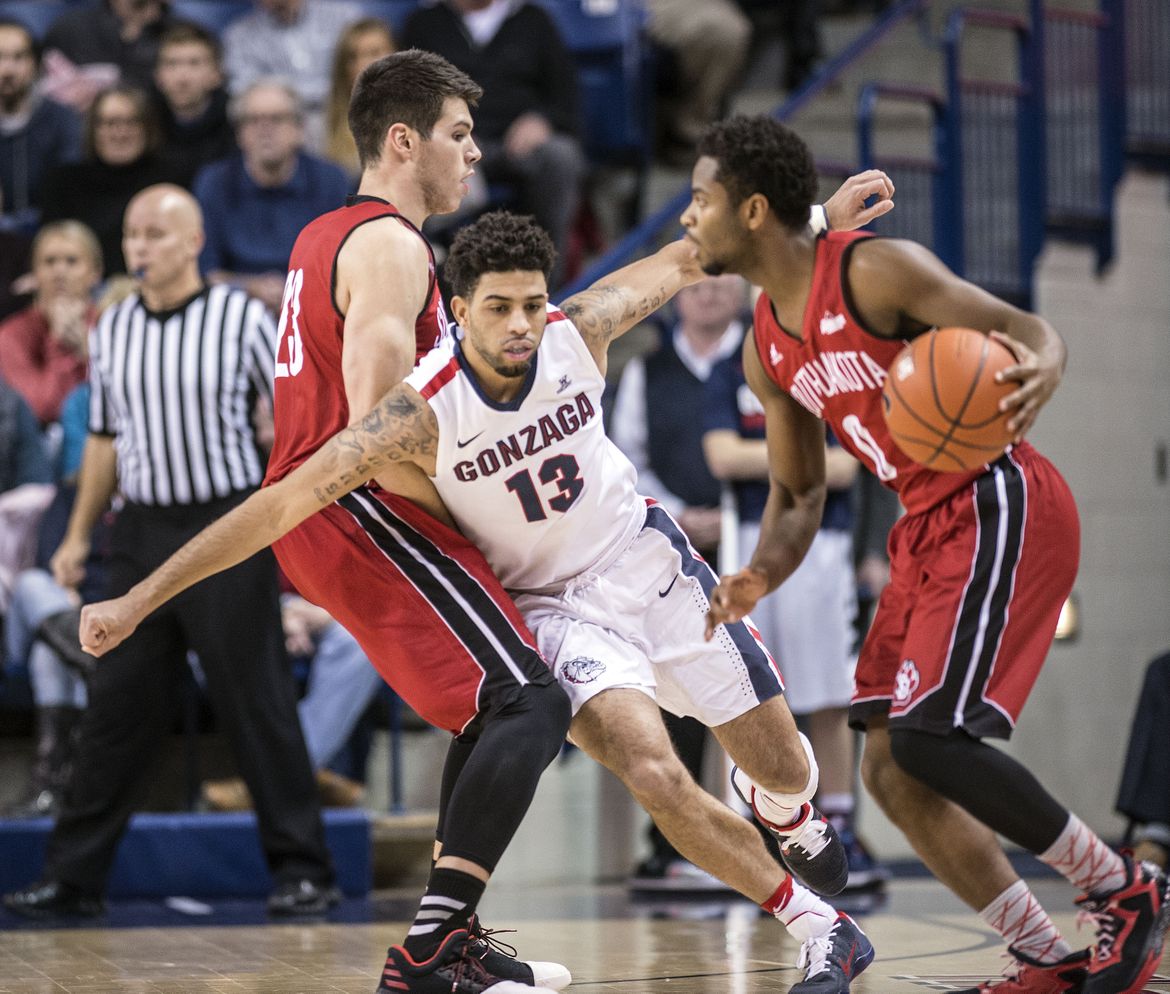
[[602, 311], [401, 429]]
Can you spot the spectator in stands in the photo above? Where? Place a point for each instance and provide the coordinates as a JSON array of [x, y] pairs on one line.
[[149, 442], [25, 487], [121, 157], [36, 133], [796, 24], [292, 40], [91, 48], [193, 109], [526, 124], [656, 422], [809, 621], [1144, 795], [40, 628], [342, 683], [361, 43], [256, 202], [708, 43], [43, 348]]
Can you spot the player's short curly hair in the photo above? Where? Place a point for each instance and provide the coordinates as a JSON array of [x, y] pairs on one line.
[[760, 155], [406, 87], [499, 242]]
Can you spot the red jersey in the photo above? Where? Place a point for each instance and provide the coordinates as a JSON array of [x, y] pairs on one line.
[[836, 370], [310, 402]]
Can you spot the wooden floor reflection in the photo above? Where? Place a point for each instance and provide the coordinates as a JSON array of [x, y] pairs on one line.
[[925, 942]]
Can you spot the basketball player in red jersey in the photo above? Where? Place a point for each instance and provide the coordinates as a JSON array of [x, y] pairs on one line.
[[360, 304], [980, 564]]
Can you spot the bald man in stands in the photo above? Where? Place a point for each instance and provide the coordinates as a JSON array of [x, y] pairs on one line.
[[173, 370]]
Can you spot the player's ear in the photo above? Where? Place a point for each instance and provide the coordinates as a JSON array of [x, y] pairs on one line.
[[753, 210], [401, 140], [460, 307]]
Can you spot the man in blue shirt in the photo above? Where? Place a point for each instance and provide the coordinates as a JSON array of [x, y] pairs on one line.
[[255, 203]]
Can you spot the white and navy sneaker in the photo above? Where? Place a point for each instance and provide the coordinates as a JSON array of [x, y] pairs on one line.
[[831, 961]]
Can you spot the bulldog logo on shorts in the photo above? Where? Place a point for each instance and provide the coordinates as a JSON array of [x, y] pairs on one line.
[[906, 681], [582, 670]]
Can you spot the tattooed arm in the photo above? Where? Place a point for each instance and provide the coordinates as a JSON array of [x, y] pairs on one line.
[[402, 428], [617, 302]]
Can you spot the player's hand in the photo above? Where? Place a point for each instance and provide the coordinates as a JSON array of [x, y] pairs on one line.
[[735, 596], [846, 208], [107, 624], [1038, 381], [526, 134]]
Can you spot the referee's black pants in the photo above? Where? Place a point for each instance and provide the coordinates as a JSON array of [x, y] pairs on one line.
[[232, 621]]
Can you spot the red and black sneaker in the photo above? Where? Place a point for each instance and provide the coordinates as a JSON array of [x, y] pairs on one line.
[[1025, 976], [500, 959], [453, 968], [1131, 925]]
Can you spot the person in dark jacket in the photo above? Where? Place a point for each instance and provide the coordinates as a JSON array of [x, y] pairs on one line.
[[526, 125]]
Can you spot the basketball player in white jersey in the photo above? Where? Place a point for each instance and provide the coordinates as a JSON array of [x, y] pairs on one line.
[[506, 423]]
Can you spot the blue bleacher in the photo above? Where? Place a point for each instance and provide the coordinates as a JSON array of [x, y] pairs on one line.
[[36, 15]]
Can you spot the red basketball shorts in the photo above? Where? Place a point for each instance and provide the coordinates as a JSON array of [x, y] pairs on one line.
[[976, 586], [421, 601]]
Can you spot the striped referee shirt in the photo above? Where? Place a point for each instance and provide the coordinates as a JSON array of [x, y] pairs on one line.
[[176, 391]]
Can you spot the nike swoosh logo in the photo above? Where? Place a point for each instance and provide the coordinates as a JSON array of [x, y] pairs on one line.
[[460, 444], [663, 593]]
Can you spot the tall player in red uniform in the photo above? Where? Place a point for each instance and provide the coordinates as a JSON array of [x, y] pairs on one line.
[[980, 564], [360, 304]]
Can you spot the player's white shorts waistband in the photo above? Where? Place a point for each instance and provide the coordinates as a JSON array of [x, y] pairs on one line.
[[640, 624]]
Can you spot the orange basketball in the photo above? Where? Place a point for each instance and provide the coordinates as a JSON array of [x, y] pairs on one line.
[[942, 402]]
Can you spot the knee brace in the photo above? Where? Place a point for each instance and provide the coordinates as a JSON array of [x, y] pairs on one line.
[[773, 806]]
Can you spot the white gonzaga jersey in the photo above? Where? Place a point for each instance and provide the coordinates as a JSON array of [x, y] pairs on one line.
[[534, 483]]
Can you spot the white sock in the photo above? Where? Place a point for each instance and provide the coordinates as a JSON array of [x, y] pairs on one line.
[[777, 810], [1082, 858], [1026, 927]]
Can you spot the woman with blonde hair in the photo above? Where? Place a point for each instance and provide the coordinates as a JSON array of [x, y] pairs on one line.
[[361, 43]]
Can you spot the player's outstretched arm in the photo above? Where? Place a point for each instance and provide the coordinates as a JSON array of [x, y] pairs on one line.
[[846, 210], [796, 498], [401, 428], [617, 302], [898, 284]]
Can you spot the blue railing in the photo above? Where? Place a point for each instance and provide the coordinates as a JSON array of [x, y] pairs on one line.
[[1143, 40], [923, 214]]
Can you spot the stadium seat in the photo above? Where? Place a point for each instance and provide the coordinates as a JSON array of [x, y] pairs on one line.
[[214, 15], [36, 15], [614, 74]]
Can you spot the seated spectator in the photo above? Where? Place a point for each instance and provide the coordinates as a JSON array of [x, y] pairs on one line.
[[526, 124], [25, 488], [342, 683], [1144, 796], [36, 133], [708, 43], [363, 42], [43, 615], [193, 102], [91, 48], [121, 157], [43, 348], [255, 203], [293, 40]]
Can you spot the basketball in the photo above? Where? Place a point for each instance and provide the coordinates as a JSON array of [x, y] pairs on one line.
[[941, 399]]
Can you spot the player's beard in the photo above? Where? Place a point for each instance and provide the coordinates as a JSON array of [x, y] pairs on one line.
[[501, 366]]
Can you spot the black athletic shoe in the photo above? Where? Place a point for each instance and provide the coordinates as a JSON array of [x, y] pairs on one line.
[[810, 847], [833, 960], [294, 898], [51, 899], [1131, 927], [1025, 975], [499, 958], [453, 968]]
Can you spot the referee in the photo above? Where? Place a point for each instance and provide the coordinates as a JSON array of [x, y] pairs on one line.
[[175, 370]]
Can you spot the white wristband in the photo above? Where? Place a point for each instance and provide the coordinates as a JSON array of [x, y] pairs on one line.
[[818, 218]]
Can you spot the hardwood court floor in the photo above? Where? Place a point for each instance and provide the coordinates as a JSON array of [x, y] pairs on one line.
[[925, 942]]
